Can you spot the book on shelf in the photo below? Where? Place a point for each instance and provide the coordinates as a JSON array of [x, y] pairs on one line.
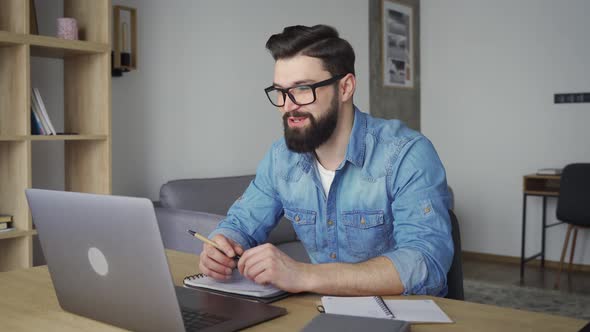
[[36, 112], [36, 127], [5, 223], [5, 218], [549, 171], [37, 102], [6, 229], [40, 125]]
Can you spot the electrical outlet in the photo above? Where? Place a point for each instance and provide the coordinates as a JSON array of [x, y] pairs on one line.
[[568, 98]]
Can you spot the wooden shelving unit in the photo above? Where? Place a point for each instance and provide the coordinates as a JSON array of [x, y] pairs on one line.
[[87, 111]]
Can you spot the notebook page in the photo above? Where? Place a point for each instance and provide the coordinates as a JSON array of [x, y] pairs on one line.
[[364, 306], [418, 311], [237, 284]]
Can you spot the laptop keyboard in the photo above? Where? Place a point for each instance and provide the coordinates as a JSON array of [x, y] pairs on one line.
[[197, 320]]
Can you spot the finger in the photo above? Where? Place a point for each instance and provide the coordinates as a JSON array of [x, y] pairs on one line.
[[225, 244], [211, 267], [255, 264], [254, 255], [244, 259], [257, 249], [245, 256], [219, 257], [263, 278], [238, 249], [253, 269], [213, 274], [216, 267]]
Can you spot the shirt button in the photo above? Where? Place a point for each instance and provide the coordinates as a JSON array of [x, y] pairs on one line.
[[427, 209], [297, 218], [363, 220], [333, 255], [330, 223]]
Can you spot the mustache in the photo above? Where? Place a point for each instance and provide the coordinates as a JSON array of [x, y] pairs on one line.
[[297, 114]]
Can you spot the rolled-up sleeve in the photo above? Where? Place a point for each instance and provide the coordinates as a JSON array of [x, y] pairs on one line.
[[423, 249], [252, 216]]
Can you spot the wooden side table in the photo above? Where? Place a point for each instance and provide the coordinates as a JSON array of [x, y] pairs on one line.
[[543, 186]]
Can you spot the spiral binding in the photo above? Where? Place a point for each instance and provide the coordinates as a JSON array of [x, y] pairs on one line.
[[195, 276], [383, 306]]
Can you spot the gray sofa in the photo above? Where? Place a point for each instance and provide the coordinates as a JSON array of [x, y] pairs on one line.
[[200, 204]]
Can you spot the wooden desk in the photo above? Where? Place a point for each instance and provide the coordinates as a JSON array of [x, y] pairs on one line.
[[543, 186], [28, 303]]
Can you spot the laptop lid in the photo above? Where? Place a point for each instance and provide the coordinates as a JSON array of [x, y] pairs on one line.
[[106, 258], [107, 262]]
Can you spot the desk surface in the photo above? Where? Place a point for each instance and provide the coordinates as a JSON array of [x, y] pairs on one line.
[[28, 303]]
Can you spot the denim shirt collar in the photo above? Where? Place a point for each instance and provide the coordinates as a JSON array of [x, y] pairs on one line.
[[355, 151]]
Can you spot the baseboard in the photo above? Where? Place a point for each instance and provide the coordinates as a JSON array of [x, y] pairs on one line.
[[516, 260]]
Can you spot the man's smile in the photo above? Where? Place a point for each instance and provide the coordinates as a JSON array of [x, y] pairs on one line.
[[297, 121]]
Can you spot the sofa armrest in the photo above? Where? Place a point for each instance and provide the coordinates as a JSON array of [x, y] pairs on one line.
[[173, 224]]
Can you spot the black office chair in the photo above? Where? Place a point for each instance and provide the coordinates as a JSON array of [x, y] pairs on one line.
[[572, 206], [455, 274]]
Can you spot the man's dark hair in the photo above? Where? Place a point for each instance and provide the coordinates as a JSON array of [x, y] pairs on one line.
[[319, 41]]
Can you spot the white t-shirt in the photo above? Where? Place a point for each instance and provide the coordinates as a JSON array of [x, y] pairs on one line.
[[326, 176]]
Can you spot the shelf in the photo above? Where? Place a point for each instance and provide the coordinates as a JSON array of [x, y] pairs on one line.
[[16, 138], [544, 176], [66, 137], [82, 162], [11, 39], [15, 233], [52, 47], [541, 193]]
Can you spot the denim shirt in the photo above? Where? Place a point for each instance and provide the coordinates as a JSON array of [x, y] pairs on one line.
[[389, 198]]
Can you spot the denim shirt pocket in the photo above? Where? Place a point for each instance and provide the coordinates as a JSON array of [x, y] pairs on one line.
[[304, 223], [367, 233]]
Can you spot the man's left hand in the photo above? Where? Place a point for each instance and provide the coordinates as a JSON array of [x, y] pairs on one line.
[[266, 264]]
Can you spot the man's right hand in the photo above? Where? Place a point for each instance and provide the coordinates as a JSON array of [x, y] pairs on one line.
[[216, 264]]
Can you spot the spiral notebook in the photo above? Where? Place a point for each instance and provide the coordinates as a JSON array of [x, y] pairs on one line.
[[237, 286], [414, 311]]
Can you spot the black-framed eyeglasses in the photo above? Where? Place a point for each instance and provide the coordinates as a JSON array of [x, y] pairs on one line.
[[300, 95]]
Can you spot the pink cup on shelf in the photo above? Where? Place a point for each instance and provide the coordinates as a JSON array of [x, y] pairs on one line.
[[67, 28]]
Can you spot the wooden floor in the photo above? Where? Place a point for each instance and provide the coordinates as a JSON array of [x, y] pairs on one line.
[[504, 273]]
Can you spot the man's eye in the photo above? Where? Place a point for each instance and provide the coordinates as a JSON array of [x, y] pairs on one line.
[[302, 88]]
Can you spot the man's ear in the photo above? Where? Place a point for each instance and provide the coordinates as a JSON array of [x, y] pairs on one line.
[[347, 87]]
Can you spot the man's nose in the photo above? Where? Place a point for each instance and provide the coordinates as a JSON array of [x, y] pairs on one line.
[[289, 105]]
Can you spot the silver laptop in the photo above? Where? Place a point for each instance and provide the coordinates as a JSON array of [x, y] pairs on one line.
[[107, 262]]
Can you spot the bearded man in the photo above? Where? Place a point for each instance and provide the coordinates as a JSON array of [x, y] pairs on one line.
[[367, 197]]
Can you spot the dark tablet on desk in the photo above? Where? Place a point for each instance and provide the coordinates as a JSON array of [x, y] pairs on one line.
[[331, 322]]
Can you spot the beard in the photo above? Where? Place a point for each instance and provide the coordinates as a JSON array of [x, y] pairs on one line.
[[303, 140]]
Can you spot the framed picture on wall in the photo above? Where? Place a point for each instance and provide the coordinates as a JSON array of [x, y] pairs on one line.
[[397, 44]]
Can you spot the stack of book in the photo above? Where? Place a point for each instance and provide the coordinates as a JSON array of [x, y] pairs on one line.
[[40, 122], [5, 223], [549, 171]]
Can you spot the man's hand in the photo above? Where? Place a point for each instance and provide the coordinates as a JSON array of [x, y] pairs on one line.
[[216, 264], [265, 264]]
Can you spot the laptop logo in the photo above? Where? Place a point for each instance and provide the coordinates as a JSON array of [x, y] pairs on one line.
[[98, 261]]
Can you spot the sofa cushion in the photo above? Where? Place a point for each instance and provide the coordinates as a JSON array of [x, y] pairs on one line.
[[213, 195]]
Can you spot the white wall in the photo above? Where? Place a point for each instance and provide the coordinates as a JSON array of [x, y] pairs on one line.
[[489, 72], [196, 106]]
